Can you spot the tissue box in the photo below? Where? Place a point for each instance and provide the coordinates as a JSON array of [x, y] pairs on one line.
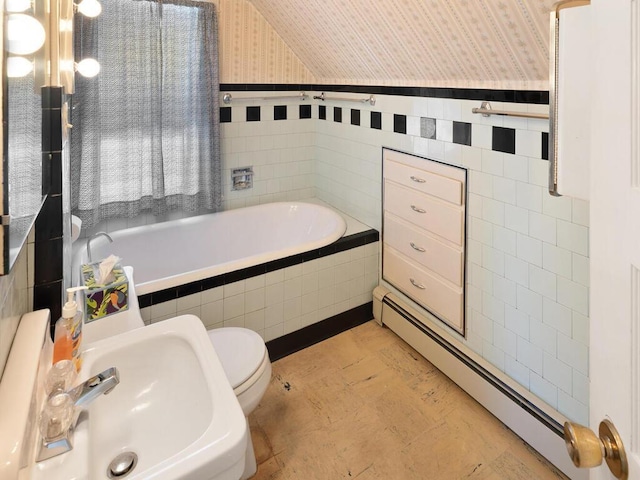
[[103, 300]]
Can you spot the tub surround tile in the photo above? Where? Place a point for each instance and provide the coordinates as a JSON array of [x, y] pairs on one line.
[[462, 133], [504, 139], [225, 114], [304, 111], [355, 117], [337, 114], [399, 123], [253, 114], [545, 146], [280, 112], [376, 120]]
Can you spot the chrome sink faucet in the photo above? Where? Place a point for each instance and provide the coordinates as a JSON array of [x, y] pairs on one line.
[[62, 410], [93, 237]]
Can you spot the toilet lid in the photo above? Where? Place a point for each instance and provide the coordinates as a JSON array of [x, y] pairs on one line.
[[240, 351]]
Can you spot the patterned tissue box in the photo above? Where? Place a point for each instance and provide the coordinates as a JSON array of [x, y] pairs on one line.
[[103, 300]]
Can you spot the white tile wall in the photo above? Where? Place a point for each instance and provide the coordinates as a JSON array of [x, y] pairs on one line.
[[16, 298], [285, 300], [527, 252]]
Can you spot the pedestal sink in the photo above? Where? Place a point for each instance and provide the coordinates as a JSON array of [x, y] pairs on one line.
[[173, 409]]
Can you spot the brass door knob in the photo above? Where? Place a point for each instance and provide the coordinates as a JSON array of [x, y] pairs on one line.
[[587, 450]]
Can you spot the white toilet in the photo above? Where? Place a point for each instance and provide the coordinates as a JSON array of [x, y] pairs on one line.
[[241, 351], [245, 361]]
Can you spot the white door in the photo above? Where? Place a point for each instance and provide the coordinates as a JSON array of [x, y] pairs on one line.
[[615, 226]]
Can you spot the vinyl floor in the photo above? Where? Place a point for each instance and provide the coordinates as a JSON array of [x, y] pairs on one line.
[[365, 405]]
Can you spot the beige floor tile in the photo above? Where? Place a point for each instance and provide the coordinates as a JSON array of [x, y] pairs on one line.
[[365, 405]]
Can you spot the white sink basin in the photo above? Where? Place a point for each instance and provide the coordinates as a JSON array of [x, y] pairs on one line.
[[173, 408]]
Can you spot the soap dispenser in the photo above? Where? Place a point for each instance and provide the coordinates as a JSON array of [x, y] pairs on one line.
[[68, 332]]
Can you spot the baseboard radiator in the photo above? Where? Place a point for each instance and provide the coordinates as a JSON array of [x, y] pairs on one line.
[[535, 422]]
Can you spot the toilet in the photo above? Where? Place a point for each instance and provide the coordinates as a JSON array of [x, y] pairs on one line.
[[246, 363], [242, 353]]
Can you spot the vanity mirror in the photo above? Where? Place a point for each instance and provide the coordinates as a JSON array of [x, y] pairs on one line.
[[26, 68]]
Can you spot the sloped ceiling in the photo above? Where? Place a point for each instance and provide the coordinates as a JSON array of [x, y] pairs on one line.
[[500, 44]]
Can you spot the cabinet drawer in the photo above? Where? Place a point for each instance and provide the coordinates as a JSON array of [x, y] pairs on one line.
[[441, 187], [417, 245], [425, 212], [425, 289]]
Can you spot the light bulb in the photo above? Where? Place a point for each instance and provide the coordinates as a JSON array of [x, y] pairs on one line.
[[25, 34], [88, 67], [18, 67], [18, 5], [90, 8]]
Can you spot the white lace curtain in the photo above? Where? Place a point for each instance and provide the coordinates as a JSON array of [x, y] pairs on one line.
[[146, 130]]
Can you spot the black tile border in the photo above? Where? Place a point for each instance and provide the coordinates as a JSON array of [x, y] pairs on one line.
[[304, 111], [322, 112], [540, 97], [345, 243], [399, 123], [225, 114], [305, 337], [279, 112], [503, 140]]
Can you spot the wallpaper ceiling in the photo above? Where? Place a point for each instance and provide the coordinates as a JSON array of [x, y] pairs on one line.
[[440, 43]]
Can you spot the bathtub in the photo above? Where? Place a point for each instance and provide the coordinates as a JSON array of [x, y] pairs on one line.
[[180, 252]]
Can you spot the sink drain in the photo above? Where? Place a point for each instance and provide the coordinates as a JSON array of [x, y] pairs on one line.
[[122, 465]]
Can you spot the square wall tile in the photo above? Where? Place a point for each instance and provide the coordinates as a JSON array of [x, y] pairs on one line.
[[304, 111], [462, 133], [337, 114], [428, 127], [399, 123], [376, 120], [504, 139], [355, 116]]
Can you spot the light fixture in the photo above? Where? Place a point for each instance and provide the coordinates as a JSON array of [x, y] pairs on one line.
[[16, 6], [88, 67], [89, 8], [25, 34], [18, 67]]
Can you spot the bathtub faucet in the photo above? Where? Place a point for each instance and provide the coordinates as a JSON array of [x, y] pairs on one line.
[[93, 237]]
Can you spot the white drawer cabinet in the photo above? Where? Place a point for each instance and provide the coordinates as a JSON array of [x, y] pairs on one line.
[[424, 233]]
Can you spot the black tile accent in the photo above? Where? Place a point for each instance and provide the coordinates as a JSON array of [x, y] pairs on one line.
[[144, 301], [48, 261], [253, 114], [462, 133], [540, 97], [545, 146], [225, 114], [244, 273], [164, 295], [212, 282], [355, 116], [376, 120], [322, 112], [312, 334], [49, 295], [282, 263], [337, 114], [52, 97], [51, 130], [399, 123], [504, 140], [305, 111], [49, 220], [55, 168], [189, 289], [280, 112]]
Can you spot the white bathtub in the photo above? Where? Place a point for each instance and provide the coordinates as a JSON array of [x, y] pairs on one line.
[[169, 254]]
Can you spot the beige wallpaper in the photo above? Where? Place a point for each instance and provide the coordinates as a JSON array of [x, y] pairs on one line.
[[441, 43], [251, 51]]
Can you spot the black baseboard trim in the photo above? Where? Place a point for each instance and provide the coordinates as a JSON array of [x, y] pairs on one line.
[[305, 337]]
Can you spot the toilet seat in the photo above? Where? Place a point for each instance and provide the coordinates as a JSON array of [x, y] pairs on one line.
[[243, 355]]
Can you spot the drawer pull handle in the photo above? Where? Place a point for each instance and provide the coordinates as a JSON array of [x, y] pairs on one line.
[[415, 247], [417, 285], [417, 180], [416, 209]]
